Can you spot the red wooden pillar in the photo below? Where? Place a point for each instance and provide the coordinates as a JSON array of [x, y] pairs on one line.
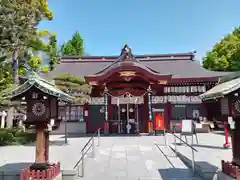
[[168, 115], [226, 134], [40, 144], [145, 113], [110, 110], [46, 146]]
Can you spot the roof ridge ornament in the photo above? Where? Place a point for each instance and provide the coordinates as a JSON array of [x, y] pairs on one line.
[[126, 54]]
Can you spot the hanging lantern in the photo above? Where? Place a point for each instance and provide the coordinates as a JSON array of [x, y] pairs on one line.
[[102, 110]]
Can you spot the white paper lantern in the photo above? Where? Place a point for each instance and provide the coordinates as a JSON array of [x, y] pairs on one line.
[[102, 110]]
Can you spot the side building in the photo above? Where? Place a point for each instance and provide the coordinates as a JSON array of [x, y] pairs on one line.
[[129, 89]]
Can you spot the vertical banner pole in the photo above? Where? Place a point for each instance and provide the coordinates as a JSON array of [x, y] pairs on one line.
[[128, 125], [137, 118], [151, 124], [119, 117], [106, 110]]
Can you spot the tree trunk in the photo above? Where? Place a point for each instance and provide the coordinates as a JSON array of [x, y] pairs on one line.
[[15, 68], [15, 82]]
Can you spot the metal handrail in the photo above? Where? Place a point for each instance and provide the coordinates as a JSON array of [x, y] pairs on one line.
[[192, 148], [185, 143], [89, 140], [83, 152]]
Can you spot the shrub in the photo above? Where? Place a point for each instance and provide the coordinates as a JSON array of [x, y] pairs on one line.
[[39, 166], [15, 136]]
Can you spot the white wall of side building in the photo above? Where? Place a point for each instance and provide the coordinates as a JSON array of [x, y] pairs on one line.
[[72, 128]]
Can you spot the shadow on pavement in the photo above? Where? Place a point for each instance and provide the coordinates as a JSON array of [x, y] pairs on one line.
[[206, 170], [202, 168], [218, 132], [209, 146], [15, 167], [51, 143], [206, 166], [102, 135], [175, 173], [204, 146]]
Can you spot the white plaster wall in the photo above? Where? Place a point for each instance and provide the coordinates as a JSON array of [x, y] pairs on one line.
[[72, 128]]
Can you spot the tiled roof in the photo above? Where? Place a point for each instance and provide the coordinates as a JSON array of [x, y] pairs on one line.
[[180, 65], [222, 89], [43, 85]]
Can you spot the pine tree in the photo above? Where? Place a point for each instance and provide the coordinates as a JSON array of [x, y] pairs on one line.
[[73, 47], [74, 86]]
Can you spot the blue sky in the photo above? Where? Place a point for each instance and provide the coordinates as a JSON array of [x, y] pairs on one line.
[[148, 26]]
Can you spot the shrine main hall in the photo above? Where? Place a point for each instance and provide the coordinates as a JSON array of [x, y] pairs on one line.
[[128, 90]]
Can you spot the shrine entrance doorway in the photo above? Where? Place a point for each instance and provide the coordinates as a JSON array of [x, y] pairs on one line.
[[125, 119]]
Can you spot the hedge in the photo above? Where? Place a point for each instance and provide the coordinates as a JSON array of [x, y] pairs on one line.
[[15, 136]]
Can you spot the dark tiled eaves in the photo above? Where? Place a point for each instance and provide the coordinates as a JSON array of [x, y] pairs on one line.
[[181, 65], [179, 69], [173, 56], [79, 69]]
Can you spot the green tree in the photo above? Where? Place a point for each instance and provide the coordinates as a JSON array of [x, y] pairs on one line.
[[44, 44], [19, 19], [53, 52], [20, 40], [73, 85], [225, 55], [44, 69], [73, 47], [5, 74]]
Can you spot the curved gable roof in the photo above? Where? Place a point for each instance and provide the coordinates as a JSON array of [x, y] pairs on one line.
[[179, 65], [126, 56]]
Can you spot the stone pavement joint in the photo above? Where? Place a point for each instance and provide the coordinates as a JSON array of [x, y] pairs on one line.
[[66, 154], [210, 153], [135, 158], [127, 158]]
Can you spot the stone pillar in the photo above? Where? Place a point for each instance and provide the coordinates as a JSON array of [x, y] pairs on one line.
[[3, 116], [23, 126], [10, 114], [20, 122]]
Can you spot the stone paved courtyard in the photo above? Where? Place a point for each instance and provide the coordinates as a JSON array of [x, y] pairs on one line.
[[22, 156], [128, 158]]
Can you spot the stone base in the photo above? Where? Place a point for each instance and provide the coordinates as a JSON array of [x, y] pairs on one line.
[[159, 132], [150, 127], [230, 169], [15, 175], [50, 173], [70, 174], [206, 172], [223, 176]]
